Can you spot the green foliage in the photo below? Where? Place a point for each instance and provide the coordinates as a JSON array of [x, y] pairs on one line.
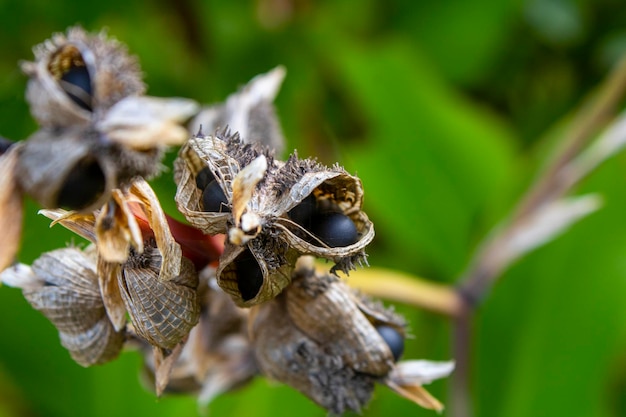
[[437, 106]]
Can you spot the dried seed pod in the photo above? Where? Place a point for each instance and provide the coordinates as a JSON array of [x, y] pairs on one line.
[[77, 74], [249, 111], [261, 192], [63, 285], [98, 132], [151, 280], [216, 357], [320, 338], [162, 312]]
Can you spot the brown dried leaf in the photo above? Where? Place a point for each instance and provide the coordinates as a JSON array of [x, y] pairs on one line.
[[171, 252], [117, 229], [141, 122]]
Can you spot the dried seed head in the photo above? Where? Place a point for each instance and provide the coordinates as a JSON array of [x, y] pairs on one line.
[[98, 132], [154, 283], [76, 76], [63, 285], [261, 193], [320, 338]]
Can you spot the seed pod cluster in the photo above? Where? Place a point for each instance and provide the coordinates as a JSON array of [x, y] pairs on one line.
[[322, 339], [153, 283], [63, 286], [97, 131], [272, 211]]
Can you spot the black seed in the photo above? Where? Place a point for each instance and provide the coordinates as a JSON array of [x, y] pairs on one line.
[[393, 338], [334, 229], [304, 212], [83, 185], [204, 178], [5, 144], [214, 199], [76, 82], [249, 275]]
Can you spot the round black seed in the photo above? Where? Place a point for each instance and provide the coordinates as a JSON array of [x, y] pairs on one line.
[[334, 229], [214, 199], [393, 338], [77, 84], [249, 275], [304, 212], [204, 178], [83, 185]]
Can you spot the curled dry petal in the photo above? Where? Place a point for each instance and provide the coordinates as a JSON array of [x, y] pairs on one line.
[[63, 286], [117, 229], [148, 122], [249, 111], [10, 208]]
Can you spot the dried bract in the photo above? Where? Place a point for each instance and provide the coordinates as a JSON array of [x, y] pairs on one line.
[[63, 285], [261, 194], [250, 112]]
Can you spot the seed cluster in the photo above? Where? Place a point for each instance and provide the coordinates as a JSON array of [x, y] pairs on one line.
[[214, 303]]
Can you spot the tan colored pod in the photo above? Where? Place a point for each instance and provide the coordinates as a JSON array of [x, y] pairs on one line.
[[316, 338], [77, 75], [259, 193], [162, 312], [63, 285]]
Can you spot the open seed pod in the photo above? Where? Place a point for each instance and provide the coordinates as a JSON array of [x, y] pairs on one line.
[[217, 355], [77, 74], [63, 285], [258, 197], [141, 269], [321, 338]]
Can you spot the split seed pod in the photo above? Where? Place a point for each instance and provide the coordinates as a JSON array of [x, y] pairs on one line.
[[151, 281], [260, 193], [63, 286], [319, 337], [97, 132], [76, 77]]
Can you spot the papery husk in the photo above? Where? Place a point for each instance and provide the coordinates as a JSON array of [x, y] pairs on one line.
[[314, 337], [276, 189], [276, 261], [47, 158], [145, 122], [11, 203], [163, 312], [250, 111], [63, 286], [217, 355], [113, 73]]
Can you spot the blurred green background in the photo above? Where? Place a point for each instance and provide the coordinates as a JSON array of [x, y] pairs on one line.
[[444, 109]]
